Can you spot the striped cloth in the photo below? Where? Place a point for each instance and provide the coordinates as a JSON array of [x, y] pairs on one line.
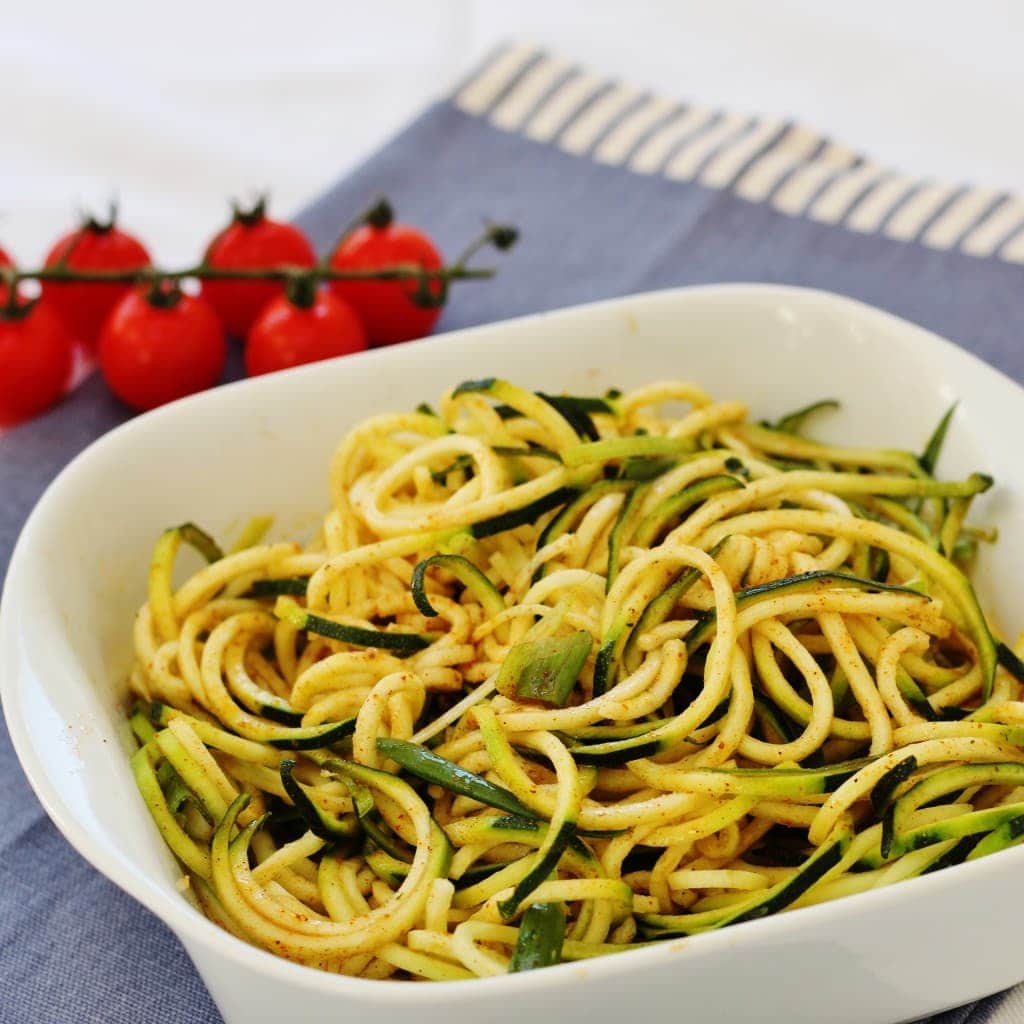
[[616, 191], [791, 167]]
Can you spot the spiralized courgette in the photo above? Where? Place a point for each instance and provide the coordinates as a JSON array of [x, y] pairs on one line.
[[560, 676]]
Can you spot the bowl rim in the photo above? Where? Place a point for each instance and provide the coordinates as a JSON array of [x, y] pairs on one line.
[[188, 923]]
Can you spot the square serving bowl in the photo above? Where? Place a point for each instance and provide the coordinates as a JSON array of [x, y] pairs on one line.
[[262, 446]]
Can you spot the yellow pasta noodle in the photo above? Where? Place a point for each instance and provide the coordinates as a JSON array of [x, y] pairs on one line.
[[565, 675]]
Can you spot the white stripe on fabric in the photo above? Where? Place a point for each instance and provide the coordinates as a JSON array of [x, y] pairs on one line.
[[907, 222], [953, 223], [475, 97], [587, 128], [650, 156], [871, 211], [621, 139], [1013, 250], [831, 206], [804, 182], [556, 111], [792, 149], [724, 166], [997, 226], [688, 160], [544, 97], [511, 111]]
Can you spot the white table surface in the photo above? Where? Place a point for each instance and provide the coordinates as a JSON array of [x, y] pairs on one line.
[[174, 109]]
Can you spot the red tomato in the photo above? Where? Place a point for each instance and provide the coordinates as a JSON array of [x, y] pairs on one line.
[[156, 349], [252, 240], [5, 261], [386, 307], [286, 334], [93, 246], [35, 361]]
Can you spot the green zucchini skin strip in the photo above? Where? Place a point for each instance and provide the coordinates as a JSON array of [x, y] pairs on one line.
[[574, 511], [313, 737], [574, 410], [818, 579], [181, 844], [576, 413], [606, 663], [142, 727], [200, 540], [932, 450], [770, 901], [527, 514], [624, 448], [318, 821], [294, 586], [793, 421], [433, 768], [540, 871], [372, 778], [537, 406], [465, 462], [384, 866], [594, 733], [1010, 833], [792, 447], [468, 387], [366, 813], [643, 469], [531, 452], [885, 788], [307, 737], [584, 403], [898, 840], [400, 643], [824, 859], [949, 532], [462, 462], [676, 506], [541, 936], [615, 752], [578, 403], [633, 498], [659, 609], [283, 715], [175, 790], [394, 871], [1010, 661], [620, 643], [787, 782], [475, 581]]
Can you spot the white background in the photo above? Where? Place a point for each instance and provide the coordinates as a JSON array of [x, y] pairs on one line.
[[176, 107]]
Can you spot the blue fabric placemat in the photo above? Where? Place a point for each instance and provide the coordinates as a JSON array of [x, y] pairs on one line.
[[615, 192]]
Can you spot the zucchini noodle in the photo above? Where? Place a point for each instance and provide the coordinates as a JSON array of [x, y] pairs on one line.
[[563, 676]]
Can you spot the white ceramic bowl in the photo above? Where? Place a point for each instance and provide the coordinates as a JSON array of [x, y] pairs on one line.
[[78, 574]]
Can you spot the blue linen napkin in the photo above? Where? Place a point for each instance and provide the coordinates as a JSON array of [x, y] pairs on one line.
[[616, 191]]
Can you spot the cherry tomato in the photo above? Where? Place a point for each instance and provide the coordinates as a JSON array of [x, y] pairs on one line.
[[157, 346], [252, 240], [289, 333], [35, 361], [94, 246], [387, 308]]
